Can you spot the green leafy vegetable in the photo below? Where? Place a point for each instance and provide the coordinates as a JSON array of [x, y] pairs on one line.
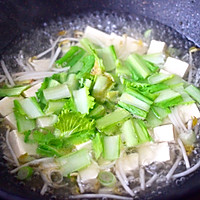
[[72, 122]]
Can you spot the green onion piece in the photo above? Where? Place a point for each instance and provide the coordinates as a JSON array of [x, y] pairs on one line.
[[138, 65], [74, 161], [58, 92], [193, 92], [107, 178], [109, 57], [112, 118], [31, 107], [25, 173], [129, 134], [111, 147], [15, 91]]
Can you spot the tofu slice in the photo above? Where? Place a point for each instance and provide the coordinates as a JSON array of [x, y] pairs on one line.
[[89, 173], [176, 66], [156, 47], [6, 105], [187, 112], [153, 152], [46, 121], [164, 133], [32, 90], [40, 65], [19, 146], [11, 121], [129, 162]]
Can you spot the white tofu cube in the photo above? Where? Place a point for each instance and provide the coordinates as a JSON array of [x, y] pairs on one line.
[[46, 121], [96, 36], [156, 47], [89, 173], [41, 65], [129, 162], [19, 146], [11, 121], [187, 112], [153, 152], [32, 90], [176, 66], [87, 145], [6, 105], [164, 133]]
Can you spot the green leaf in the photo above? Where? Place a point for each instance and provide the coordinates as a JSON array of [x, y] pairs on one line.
[[72, 122]]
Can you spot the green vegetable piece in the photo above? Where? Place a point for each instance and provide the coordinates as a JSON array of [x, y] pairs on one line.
[[107, 179], [101, 86], [138, 95], [54, 106], [71, 57], [141, 129], [88, 63], [30, 107], [15, 91], [159, 77], [23, 123], [97, 112], [57, 92], [74, 161], [129, 135], [138, 66], [136, 112], [83, 101], [97, 146], [112, 118], [168, 98], [24, 173], [156, 58], [72, 122], [152, 120], [111, 147], [131, 100], [193, 92], [108, 55]]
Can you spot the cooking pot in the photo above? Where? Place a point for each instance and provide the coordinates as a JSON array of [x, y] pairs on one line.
[[20, 16]]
